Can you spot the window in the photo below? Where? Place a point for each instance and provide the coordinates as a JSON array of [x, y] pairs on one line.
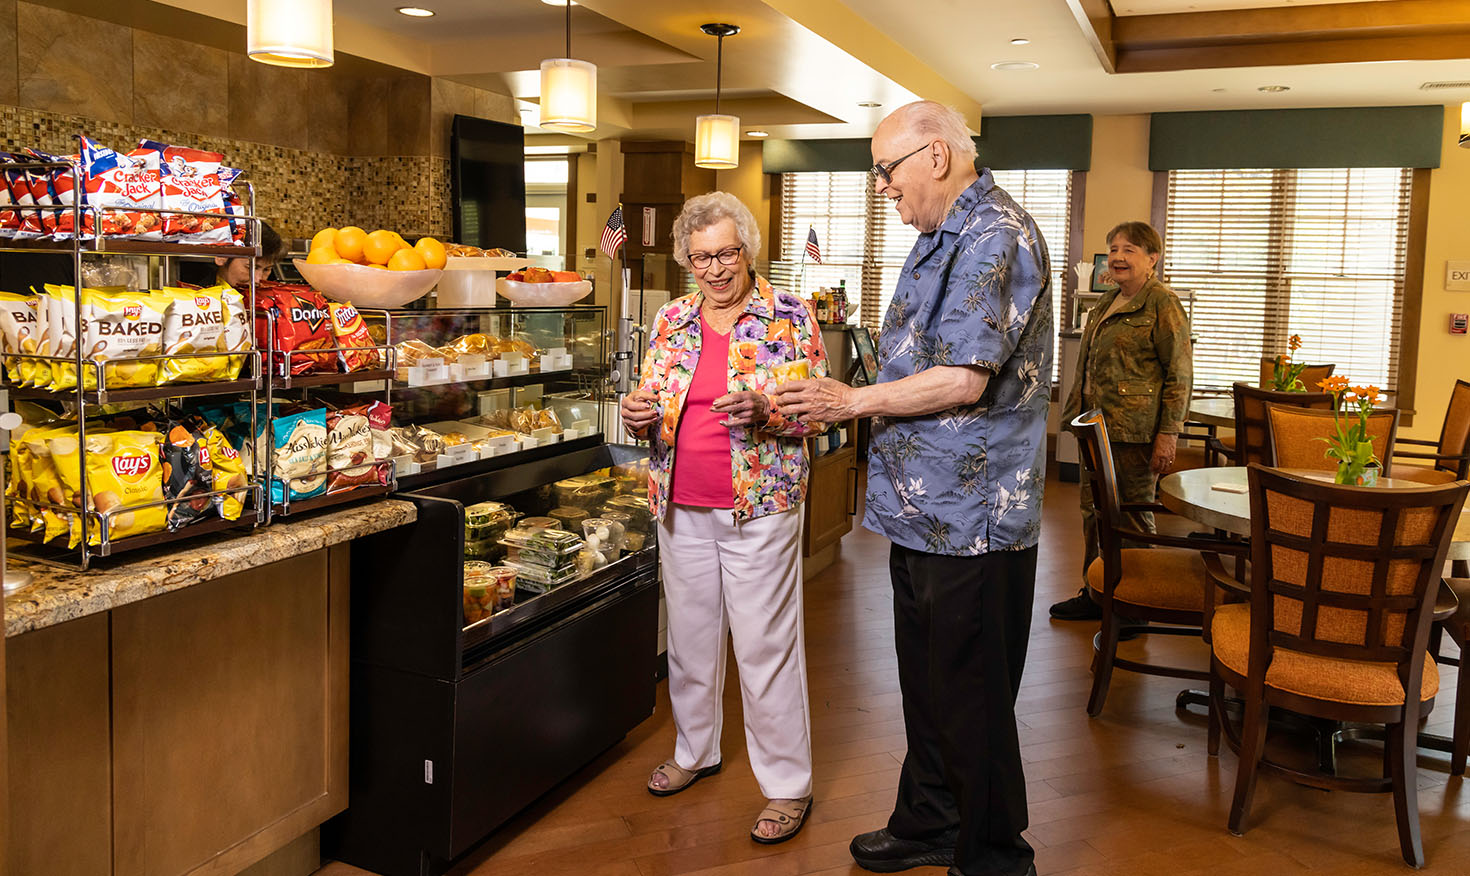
[[1318, 252], [865, 243]]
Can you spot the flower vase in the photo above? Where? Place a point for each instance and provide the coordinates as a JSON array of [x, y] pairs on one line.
[[1353, 474]]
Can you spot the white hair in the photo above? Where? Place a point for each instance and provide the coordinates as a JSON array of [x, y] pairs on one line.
[[935, 121], [702, 211]]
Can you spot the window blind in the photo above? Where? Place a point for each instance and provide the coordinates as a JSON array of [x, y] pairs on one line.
[[864, 242], [1268, 253]]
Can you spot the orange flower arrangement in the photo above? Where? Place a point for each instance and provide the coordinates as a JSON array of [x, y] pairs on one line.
[[1287, 375], [1351, 446]]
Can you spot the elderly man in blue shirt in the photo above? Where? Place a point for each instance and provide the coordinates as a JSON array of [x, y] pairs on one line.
[[957, 466]]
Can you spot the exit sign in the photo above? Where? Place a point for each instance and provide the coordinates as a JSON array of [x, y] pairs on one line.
[[1457, 276]]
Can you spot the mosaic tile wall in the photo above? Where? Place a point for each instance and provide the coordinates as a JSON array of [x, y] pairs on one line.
[[297, 191]]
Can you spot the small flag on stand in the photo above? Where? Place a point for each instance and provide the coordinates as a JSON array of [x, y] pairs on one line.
[[812, 250], [614, 234]]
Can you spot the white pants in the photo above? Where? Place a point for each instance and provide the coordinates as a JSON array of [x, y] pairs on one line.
[[744, 578]]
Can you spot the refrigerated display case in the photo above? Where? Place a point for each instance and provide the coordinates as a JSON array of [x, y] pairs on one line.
[[465, 711]]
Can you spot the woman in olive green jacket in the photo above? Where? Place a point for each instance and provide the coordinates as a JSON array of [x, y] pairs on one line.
[[1136, 366]]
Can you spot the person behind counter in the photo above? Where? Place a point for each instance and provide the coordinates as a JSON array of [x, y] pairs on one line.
[[233, 271], [1136, 365], [728, 474]]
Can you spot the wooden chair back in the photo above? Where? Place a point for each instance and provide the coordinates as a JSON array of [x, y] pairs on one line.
[[1295, 435], [1349, 573], [1096, 453], [1454, 435], [1310, 376], [1252, 443]]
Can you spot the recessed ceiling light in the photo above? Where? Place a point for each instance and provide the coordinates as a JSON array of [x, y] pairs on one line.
[[1020, 41], [757, 133], [559, 2], [1015, 65], [1273, 89], [415, 11], [869, 103]]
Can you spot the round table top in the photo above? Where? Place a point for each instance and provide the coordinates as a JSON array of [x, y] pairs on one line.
[[1215, 410], [1192, 494]]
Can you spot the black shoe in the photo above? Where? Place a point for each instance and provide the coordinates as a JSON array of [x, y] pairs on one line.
[[1031, 871], [1078, 608], [882, 852]]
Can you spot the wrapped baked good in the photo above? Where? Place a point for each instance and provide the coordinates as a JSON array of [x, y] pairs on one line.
[[454, 439], [413, 351], [583, 491], [475, 345], [546, 419]]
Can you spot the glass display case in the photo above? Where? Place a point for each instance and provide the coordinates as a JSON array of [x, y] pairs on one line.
[[481, 387]]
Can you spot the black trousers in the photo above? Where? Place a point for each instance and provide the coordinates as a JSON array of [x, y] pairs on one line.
[[961, 628]]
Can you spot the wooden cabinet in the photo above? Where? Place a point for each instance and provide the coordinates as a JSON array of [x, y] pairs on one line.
[[831, 502]]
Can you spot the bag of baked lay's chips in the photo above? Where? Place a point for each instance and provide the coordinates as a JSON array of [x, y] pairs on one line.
[[18, 334], [61, 319], [123, 327], [194, 323], [124, 473], [237, 325]]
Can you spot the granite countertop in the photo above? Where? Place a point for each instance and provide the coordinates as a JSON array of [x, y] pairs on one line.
[[58, 595]]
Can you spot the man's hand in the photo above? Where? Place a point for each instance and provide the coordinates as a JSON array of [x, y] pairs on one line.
[[823, 400], [1165, 447], [638, 411], [742, 409]]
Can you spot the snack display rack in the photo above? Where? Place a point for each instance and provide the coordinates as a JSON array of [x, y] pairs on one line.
[[91, 519], [280, 378]]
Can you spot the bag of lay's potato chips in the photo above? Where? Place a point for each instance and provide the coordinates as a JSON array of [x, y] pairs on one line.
[[124, 472], [61, 321], [228, 470], [194, 323], [123, 327], [43, 476], [17, 333], [236, 335]]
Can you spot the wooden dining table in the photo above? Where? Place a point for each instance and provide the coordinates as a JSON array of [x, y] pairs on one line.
[[1192, 494], [1219, 410]]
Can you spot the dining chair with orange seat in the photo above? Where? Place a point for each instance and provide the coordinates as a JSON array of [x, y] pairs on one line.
[[1250, 443], [1343, 585], [1310, 376], [1450, 459], [1170, 584], [1458, 627], [1296, 434]]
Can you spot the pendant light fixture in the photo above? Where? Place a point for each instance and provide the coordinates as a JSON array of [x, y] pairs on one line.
[[1465, 125], [569, 90], [717, 137], [289, 33]]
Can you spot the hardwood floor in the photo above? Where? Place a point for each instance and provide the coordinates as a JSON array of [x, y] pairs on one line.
[[1130, 792]]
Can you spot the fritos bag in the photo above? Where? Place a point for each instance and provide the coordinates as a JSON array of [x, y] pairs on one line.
[[124, 471], [194, 323], [191, 182], [123, 326], [302, 322], [129, 188], [352, 335]]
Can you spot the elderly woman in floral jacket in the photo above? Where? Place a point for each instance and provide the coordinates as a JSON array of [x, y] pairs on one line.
[[727, 479]]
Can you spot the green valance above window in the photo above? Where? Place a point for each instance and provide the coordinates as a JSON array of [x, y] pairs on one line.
[[1381, 136], [1061, 142]]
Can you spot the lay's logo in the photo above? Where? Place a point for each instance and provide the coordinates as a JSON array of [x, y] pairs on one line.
[[132, 311], [131, 466], [203, 302], [229, 452], [204, 456]]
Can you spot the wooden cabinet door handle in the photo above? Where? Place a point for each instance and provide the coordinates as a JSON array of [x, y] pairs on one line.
[[852, 491]]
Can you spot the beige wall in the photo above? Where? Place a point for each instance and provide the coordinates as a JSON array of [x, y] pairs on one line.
[[750, 183], [1443, 357], [1119, 184]]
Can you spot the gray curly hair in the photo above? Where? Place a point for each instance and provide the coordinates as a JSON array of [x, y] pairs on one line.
[[702, 211]]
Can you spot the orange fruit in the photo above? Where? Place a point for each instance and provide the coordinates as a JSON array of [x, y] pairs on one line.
[[379, 267], [432, 252], [325, 237], [322, 255], [380, 247], [349, 242], [406, 260], [343, 262]]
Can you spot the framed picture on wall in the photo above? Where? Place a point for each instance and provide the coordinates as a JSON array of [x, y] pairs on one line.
[[867, 356], [1099, 270]]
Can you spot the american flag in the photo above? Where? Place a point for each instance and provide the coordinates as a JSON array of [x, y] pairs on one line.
[[614, 234], [812, 250]]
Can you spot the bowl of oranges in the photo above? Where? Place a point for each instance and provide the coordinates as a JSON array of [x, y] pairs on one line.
[[377, 269]]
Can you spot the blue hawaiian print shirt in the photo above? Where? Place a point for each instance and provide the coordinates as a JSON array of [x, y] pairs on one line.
[[977, 291]]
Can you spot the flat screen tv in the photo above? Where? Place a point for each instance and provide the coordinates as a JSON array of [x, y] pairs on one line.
[[487, 169]]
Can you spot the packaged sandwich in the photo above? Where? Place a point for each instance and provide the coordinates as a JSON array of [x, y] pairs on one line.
[[122, 328], [352, 336], [194, 323]]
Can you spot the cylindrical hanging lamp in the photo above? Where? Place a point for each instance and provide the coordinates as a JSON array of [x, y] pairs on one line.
[[1465, 125], [569, 90], [716, 136], [289, 33]]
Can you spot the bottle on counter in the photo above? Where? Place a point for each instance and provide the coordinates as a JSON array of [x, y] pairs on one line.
[[823, 312], [839, 298]]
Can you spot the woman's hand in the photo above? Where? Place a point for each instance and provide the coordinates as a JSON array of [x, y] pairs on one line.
[[638, 411], [742, 409], [1165, 447]]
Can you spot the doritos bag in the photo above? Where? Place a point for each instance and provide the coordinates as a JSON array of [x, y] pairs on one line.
[[301, 322]]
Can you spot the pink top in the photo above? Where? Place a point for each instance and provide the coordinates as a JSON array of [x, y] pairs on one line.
[[702, 474]]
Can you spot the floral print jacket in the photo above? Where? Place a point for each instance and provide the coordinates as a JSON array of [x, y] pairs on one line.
[[769, 463]]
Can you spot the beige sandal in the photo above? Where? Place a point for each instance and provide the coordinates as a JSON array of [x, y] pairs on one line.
[[788, 815], [679, 778]]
